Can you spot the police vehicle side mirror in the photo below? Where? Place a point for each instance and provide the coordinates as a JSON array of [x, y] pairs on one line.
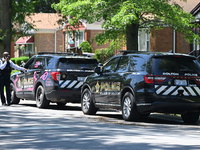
[[98, 70]]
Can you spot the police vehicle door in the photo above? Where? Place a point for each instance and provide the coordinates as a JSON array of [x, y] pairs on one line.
[[32, 75], [107, 86]]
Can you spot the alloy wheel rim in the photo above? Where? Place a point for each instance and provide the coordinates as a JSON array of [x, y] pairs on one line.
[[127, 107], [86, 101]]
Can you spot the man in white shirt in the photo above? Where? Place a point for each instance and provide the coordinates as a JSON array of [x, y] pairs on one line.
[[5, 69]]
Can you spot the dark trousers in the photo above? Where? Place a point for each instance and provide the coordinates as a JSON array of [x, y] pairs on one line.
[[5, 82]]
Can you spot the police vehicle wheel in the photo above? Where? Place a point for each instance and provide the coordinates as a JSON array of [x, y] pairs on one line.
[[14, 98], [129, 111], [41, 101], [190, 117], [87, 104]]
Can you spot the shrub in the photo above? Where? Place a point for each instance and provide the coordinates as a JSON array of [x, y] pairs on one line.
[[103, 54], [18, 60], [86, 47]]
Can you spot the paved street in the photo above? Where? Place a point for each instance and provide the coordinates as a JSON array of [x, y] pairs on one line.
[[26, 127]]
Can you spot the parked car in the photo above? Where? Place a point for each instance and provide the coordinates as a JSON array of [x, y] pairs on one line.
[[145, 82], [52, 77]]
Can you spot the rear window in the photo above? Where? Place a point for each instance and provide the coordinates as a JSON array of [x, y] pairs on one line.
[[184, 66], [78, 64], [138, 63]]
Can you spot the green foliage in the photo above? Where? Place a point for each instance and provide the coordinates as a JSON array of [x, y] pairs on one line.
[[118, 15], [103, 54], [86, 47], [44, 6], [21, 9], [19, 60]]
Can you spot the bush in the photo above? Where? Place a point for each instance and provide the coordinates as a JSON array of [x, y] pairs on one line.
[[103, 54], [18, 60], [86, 47]]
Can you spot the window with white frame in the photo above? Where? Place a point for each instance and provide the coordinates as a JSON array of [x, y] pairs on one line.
[[79, 38], [143, 40], [196, 46], [29, 48], [75, 40]]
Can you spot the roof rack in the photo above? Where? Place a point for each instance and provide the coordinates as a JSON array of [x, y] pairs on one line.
[[125, 52], [56, 53]]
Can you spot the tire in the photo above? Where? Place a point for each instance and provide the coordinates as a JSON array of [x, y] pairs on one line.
[[41, 101], [190, 117], [14, 98], [87, 104], [129, 110]]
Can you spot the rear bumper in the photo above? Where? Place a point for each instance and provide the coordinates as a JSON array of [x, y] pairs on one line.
[[169, 107], [64, 96]]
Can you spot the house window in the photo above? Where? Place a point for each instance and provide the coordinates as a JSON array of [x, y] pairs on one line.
[[79, 38], [29, 48], [76, 39], [143, 40]]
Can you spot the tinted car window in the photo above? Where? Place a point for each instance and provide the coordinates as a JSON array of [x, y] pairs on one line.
[[50, 63], [138, 63], [123, 64], [111, 65], [176, 65], [74, 63]]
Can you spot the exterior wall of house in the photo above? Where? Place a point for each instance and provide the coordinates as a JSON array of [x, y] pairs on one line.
[[59, 41], [162, 41], [45, 42], [12, 50], [90, 34]]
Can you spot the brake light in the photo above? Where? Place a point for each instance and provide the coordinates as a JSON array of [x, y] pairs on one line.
[[154, 79], [198, 81], [55, 76]]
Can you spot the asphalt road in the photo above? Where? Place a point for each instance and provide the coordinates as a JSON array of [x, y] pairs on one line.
[[25, 126]]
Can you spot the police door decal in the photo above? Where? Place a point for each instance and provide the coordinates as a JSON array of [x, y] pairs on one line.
[[107, 88]]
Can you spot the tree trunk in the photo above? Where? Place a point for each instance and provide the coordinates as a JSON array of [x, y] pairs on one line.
[[132, 37], [5, 26]]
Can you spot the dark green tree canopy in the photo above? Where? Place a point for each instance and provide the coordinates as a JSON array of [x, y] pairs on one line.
[[44, 6], [126, 17]]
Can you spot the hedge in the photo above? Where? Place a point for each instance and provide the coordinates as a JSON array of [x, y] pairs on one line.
[[19, 60]]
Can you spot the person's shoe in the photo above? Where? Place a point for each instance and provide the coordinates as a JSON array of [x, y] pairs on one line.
[[4, 104], [8, 104]]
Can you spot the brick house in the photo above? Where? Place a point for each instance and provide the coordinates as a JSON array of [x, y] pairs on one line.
[[195, 48], [51, 36], [46, 37], [167, 39]]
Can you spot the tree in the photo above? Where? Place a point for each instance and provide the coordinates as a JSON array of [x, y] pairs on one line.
[[44, 6], [12, 18], [5, 27], [126, 17]]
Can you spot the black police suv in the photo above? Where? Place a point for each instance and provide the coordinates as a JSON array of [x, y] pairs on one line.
[[141, 83], [52, 77]]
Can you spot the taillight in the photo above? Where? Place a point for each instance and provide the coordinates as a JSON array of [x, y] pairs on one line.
[[154, 79], [198, 81], [55, 76]]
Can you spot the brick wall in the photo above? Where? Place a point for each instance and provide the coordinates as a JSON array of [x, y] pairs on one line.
[[44, 42], [162, 41], [59, 41], [90, 34]]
